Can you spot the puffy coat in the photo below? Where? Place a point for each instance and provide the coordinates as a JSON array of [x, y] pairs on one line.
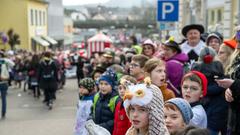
[[102, 114], [175, 70]]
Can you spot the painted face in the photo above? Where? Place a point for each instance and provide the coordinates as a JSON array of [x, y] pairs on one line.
[[148, 50], [222, 54], [168, 52], [83, 91], [174, 120], [214, 43], [158, 75], [193, 37], [191, 90], [138, 116], [121, 90], [135, 68], [105, 87]]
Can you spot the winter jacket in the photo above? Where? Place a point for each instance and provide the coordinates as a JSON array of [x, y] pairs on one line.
[[102, 114], [214, 102], [175, 70], [48, 84], [121, 121], [216, 107], [234, 109], [199, 116]]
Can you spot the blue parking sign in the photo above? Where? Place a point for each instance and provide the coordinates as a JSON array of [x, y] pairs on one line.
[[167, 10]]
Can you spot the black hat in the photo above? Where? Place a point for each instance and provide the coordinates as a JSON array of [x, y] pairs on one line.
[[99, 69], [198, 27], [172, 44]]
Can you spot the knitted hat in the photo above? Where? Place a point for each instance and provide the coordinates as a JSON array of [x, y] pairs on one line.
[[150, 97], [87, 83], [207, 55], [110, 77], [231, 43], [187, 28], [216, 35], [184, 107], [203, 79]]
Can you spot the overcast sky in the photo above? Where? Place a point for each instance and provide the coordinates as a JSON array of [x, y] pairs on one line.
[[82, 2]]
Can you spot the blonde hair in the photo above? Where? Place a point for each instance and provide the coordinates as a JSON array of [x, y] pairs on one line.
[[228, 50], [230, 69], [152, 63]]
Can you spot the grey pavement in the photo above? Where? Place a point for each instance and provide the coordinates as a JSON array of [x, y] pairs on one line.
[[27, 115]]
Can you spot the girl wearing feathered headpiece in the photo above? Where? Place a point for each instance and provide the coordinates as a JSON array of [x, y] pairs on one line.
[[144, 106]]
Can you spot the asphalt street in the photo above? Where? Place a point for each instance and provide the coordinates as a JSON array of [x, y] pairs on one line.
[[27, 115]]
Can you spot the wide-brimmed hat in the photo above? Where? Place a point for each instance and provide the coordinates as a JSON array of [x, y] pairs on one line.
[[198, 27]]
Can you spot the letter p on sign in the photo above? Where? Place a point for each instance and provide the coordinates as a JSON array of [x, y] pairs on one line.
[[167, 10]]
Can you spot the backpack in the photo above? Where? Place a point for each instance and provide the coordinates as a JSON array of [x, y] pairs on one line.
[[111, 104], [48, 71], [4, 73]]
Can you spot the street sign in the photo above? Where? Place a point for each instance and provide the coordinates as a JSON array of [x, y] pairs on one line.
[[167, 10], [167, 26]]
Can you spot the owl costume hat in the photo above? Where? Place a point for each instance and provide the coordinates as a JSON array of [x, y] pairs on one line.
[[150, 97]]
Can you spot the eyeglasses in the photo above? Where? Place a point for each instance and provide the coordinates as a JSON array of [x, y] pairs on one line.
[[134, 65], [192, 88]]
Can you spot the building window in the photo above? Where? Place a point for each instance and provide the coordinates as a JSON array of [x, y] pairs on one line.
[[40, 18], [219, 19], [44, 18], [212, 16], [36, 17], [32, 17]]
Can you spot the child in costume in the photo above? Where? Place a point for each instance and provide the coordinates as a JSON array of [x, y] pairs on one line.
[[144, 107], [86, 92]]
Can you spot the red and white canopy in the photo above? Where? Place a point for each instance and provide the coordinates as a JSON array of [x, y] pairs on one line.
[[98, 43]]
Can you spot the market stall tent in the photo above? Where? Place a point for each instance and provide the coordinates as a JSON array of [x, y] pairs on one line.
[[98, 43]]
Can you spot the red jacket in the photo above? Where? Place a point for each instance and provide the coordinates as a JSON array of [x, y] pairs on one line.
[[121, 121]]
